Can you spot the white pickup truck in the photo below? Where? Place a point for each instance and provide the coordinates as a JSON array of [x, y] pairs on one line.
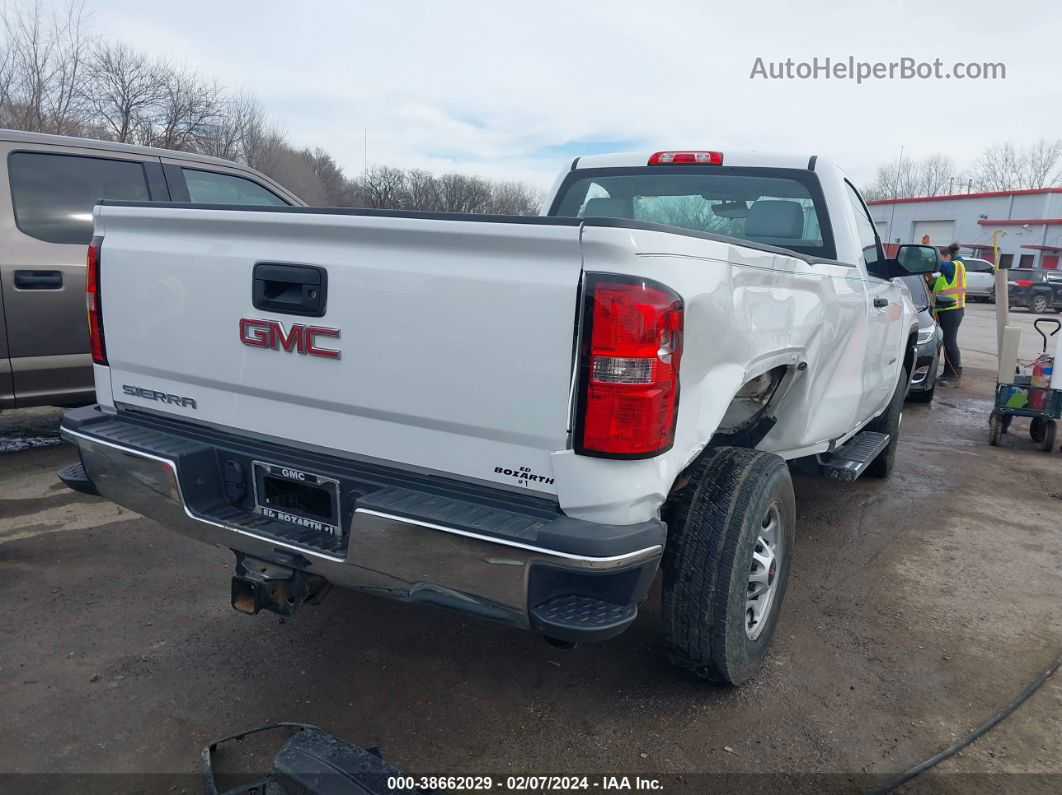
[[516, 418]]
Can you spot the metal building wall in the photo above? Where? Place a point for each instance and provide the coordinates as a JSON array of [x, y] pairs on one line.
[[896, 221]]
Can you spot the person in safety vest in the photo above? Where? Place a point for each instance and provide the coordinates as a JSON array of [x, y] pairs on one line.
[[949, 302]]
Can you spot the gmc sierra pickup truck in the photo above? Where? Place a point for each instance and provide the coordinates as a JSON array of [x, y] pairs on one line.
[[517, 418]]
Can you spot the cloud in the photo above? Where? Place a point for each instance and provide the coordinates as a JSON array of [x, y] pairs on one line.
[[508, 90]]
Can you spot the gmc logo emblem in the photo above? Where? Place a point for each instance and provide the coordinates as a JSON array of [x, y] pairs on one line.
[[299, 339]]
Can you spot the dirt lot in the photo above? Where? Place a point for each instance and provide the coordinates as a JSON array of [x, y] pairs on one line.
[[917, 607]]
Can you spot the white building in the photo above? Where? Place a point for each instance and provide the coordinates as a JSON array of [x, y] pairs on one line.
[[1030, 219]]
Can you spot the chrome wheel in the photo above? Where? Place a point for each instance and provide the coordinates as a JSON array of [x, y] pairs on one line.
[[763, 576]]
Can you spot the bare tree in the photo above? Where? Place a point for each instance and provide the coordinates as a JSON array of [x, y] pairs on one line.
[[422, 191], [382, 187], [459, 193], [515, 198], [337, 188], [272, 155], [123, 89], [1006, 166], [929, 176], [239, 126], [42, 68], [186, 114], [1043, 163], [999, 168]]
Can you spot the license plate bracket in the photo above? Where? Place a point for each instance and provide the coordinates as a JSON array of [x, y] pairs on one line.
[[305, 499]]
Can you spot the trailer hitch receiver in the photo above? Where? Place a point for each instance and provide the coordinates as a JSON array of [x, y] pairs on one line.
[[264, 585]]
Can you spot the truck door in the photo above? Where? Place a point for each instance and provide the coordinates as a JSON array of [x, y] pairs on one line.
[[45, 225], [881, 364]]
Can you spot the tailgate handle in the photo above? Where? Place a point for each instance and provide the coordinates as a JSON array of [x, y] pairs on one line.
[[39, 280], [290, 289]]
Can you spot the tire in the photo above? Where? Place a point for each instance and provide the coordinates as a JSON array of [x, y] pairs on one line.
[[995, 429], [1048, 443], [991, 296], [889, 422], [1037, 429], [1038, 304], [718, 546]]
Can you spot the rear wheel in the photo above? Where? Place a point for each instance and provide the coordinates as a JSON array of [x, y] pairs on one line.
[[1037, 429], [1038, 304], [731, 531], [889, 422], [995, 428], [1048, 442]]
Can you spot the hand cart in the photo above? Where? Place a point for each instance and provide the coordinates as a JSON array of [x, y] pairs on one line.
[[1021, 399]]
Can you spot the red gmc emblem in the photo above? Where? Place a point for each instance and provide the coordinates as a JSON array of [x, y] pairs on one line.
[[298, 339]]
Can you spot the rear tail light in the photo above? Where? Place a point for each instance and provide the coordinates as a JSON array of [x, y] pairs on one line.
[[92, 302], [1022, 283], [629, 385], [686, 158]]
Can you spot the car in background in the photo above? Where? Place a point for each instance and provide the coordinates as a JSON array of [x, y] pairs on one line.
[[980, 279], [51, 183], [1036, 290], [929, 343]]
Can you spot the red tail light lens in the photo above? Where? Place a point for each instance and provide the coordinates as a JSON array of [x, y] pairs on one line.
[[1022, 283], [629, 368], [92, 302], [686, 158]]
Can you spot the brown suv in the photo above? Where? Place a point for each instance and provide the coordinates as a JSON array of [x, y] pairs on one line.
[[45, 227]]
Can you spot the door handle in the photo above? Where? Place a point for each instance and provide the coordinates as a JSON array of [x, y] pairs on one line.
[[290, 289], [881, 303], [39, 280]]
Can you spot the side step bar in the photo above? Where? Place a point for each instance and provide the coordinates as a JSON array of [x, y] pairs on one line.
[[851, 459]]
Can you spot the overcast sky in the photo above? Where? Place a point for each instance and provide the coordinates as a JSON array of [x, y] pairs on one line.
[[507, 89]]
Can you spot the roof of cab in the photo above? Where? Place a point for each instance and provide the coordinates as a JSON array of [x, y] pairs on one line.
[[749, 159]]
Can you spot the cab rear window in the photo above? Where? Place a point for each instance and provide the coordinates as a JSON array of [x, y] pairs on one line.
[[778, 207]]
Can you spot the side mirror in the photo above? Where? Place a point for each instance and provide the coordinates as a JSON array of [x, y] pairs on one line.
[[917, 260]]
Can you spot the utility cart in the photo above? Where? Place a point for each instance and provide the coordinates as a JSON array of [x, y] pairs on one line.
[[1030, 396]]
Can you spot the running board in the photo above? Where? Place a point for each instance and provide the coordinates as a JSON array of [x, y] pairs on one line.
[[851, 459]]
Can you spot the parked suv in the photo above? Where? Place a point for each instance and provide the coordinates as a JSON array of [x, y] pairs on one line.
[[1036, 290], [45, 226]]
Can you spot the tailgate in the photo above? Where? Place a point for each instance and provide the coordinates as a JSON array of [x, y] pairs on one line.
[[454, 337]]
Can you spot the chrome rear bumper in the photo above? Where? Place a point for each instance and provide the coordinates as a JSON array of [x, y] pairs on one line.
[[393, 556]]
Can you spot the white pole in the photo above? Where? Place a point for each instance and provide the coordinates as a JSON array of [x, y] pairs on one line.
[[1002, 293]]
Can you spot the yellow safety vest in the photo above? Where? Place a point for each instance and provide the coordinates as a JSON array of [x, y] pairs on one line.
[[956, 288]]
